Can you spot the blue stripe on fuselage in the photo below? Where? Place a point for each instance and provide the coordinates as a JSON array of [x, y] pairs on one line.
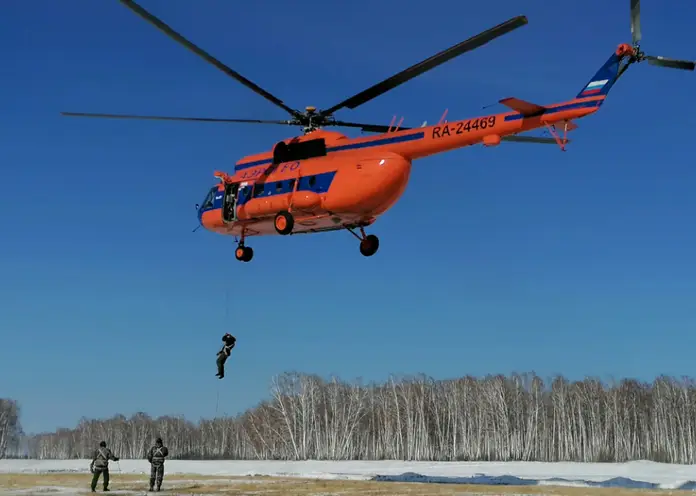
[[350, 146], [317, 183]]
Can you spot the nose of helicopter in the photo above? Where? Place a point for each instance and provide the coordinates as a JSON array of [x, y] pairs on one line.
[[209, 213]]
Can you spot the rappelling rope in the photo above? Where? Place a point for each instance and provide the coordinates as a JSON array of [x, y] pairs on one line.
[[227, 318]]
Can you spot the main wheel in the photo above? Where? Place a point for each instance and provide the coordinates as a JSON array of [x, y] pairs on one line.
[[244, 253], [369, 245], [284, 222]]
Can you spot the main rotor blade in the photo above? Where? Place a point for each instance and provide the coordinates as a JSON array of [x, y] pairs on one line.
[[635, 21], [206, 56], [687, 65], [428, 64], [171, 118]]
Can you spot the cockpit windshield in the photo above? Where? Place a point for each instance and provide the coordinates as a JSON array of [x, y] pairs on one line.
[[208, 202]]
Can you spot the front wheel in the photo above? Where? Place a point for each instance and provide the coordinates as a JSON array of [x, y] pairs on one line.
[[244, 253]]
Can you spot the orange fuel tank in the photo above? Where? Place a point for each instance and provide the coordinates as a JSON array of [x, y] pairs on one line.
[[368, 184]]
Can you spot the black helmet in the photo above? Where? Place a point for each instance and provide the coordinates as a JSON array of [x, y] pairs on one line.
[[103, 444], [158, 440]]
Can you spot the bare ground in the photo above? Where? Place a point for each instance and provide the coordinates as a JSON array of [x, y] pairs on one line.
[[61, 483]]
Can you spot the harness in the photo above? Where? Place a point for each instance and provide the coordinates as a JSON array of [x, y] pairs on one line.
[[157, 456], [101, 455]]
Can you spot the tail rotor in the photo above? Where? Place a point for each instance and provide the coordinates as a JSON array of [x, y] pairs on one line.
[[640, 56]]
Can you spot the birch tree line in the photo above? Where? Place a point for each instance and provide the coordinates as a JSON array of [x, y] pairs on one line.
[[519, 417], [10, 427]]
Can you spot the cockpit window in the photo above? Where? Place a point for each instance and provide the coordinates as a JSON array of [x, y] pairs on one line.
[[208, 202]]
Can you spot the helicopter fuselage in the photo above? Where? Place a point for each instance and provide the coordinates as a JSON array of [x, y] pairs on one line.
[[328, 181], [348, 185]]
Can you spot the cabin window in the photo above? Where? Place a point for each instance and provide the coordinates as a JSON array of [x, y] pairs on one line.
[[279, 186], [243, 194], [208, 202], [258, 190], [312, 181], [291, 185]]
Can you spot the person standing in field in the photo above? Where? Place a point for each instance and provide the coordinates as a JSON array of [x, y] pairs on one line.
[[100, 465], [156, 457]]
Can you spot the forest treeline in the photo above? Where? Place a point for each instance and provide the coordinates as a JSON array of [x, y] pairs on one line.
[[519, 417]]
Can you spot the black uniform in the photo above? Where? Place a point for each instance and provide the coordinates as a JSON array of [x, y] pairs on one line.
[[100, 465], [224, 353], [156, 457]]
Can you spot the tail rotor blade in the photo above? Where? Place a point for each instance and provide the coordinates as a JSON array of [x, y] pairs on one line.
[[686, 65], [635, 21]]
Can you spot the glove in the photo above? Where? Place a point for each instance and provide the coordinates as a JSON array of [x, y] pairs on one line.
[[91, 468]]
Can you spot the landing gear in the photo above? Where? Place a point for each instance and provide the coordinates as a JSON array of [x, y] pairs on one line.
[[369, 244], [284, 222], [244, 253]]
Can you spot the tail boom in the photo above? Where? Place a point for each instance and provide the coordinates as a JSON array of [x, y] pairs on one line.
[[489, 129], [525, 116]]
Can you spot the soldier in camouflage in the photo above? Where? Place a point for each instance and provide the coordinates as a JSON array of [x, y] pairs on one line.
[[156, 457], [229, 341], [100, 465]]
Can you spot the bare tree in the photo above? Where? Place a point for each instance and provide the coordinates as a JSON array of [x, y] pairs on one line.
[[10, 428], [520, 417]]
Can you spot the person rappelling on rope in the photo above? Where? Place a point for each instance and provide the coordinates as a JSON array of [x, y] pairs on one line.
[[229, 341]]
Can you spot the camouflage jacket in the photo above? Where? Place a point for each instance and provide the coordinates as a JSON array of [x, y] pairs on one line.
[[157, 454], [101, 457]]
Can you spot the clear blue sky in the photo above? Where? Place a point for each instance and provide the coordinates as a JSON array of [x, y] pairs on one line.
[[579, 263]]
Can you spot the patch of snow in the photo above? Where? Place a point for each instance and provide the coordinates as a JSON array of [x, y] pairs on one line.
[[637, 474]]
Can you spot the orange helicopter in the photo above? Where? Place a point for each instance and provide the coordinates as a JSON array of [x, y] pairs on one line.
[[325, 181]]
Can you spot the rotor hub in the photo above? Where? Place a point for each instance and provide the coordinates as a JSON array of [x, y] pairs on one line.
[[626, 50]]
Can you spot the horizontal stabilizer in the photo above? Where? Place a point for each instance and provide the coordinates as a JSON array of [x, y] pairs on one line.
[[531, 139], [524, 108]]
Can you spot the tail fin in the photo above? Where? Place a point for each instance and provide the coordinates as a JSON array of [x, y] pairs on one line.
[[603, 80]]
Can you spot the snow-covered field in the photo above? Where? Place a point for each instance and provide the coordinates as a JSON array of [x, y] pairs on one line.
[[639, 474]]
